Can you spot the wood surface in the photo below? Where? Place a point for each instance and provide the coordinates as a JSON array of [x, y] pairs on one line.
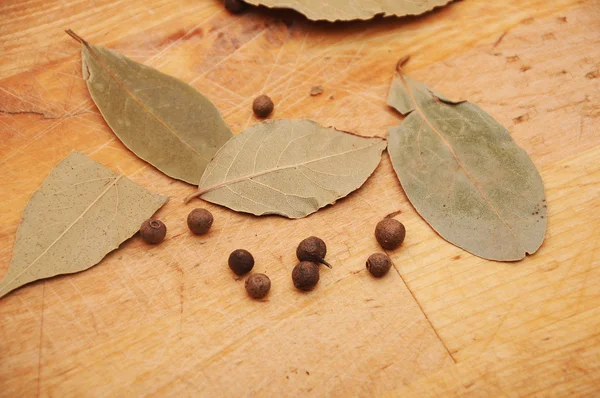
[[172, 320]]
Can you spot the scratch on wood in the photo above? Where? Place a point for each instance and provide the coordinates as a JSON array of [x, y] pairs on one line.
[[393, 214], [3, 111], [423, 311], [39, 378], [387, 366], [495, 333], [593, 74], [528, 21], [181, 294], [523, 118], [500, 39], [40, 113], [548, 36], [568, 105]]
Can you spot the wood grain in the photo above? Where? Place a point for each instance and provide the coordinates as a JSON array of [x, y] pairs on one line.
[[570, 368], [172, 320]]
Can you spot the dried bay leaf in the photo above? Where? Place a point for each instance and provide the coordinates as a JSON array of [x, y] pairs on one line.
[[81, 212], [465, 175], [344, 10], [160, 118], [288, 167]]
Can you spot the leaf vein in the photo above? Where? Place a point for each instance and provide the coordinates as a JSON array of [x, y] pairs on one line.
[[202, 191], [140, 103], [62, 234], [475, 183]]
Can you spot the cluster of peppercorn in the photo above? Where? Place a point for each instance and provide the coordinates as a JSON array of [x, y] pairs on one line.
[[305, 275], [153, 231], [199, 221], [241, 262], [311, 252], [390, 234]]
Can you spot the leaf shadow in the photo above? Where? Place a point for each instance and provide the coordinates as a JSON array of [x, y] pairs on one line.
[[292, 17]]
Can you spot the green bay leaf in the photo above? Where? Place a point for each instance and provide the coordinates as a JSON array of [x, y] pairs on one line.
[[161, 119], [288, 167], [81, 212], [465, 175], [344, 10]]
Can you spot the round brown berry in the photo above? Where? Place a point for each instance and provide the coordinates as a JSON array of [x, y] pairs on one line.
[[262, 106], [199, 221], [153, 231], [312, 249], [390, 233], [258, 285], [241, 261], [379, 264], [305, 275]]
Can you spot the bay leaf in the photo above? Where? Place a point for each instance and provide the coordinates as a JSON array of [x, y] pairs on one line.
[[161, 119], [344, 10], [81, 212], [465, 175], [288, 167]]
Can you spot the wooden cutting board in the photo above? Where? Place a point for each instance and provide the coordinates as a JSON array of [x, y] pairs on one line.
[[172, 320]]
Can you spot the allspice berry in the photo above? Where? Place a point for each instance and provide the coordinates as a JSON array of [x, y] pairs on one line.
[[262, 106], [241, 261], [199, 221], [235, 6], [379, 264], [258, 285], [390, 233], [312, 249], [153, 231], [305, 275]]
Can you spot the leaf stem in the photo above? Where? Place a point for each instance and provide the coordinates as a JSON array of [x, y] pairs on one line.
[[401, 63], [76, 37], [192, 196]]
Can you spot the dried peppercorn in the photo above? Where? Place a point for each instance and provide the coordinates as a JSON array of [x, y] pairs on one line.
[[390, 233], [379, 264], [241, 261], [312, 249], [262, 106], [153, 231], [258, 285], [199, 221], [305, 275]]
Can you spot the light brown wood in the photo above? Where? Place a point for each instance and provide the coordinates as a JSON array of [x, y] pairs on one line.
[[172, 320], [571, 367]]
